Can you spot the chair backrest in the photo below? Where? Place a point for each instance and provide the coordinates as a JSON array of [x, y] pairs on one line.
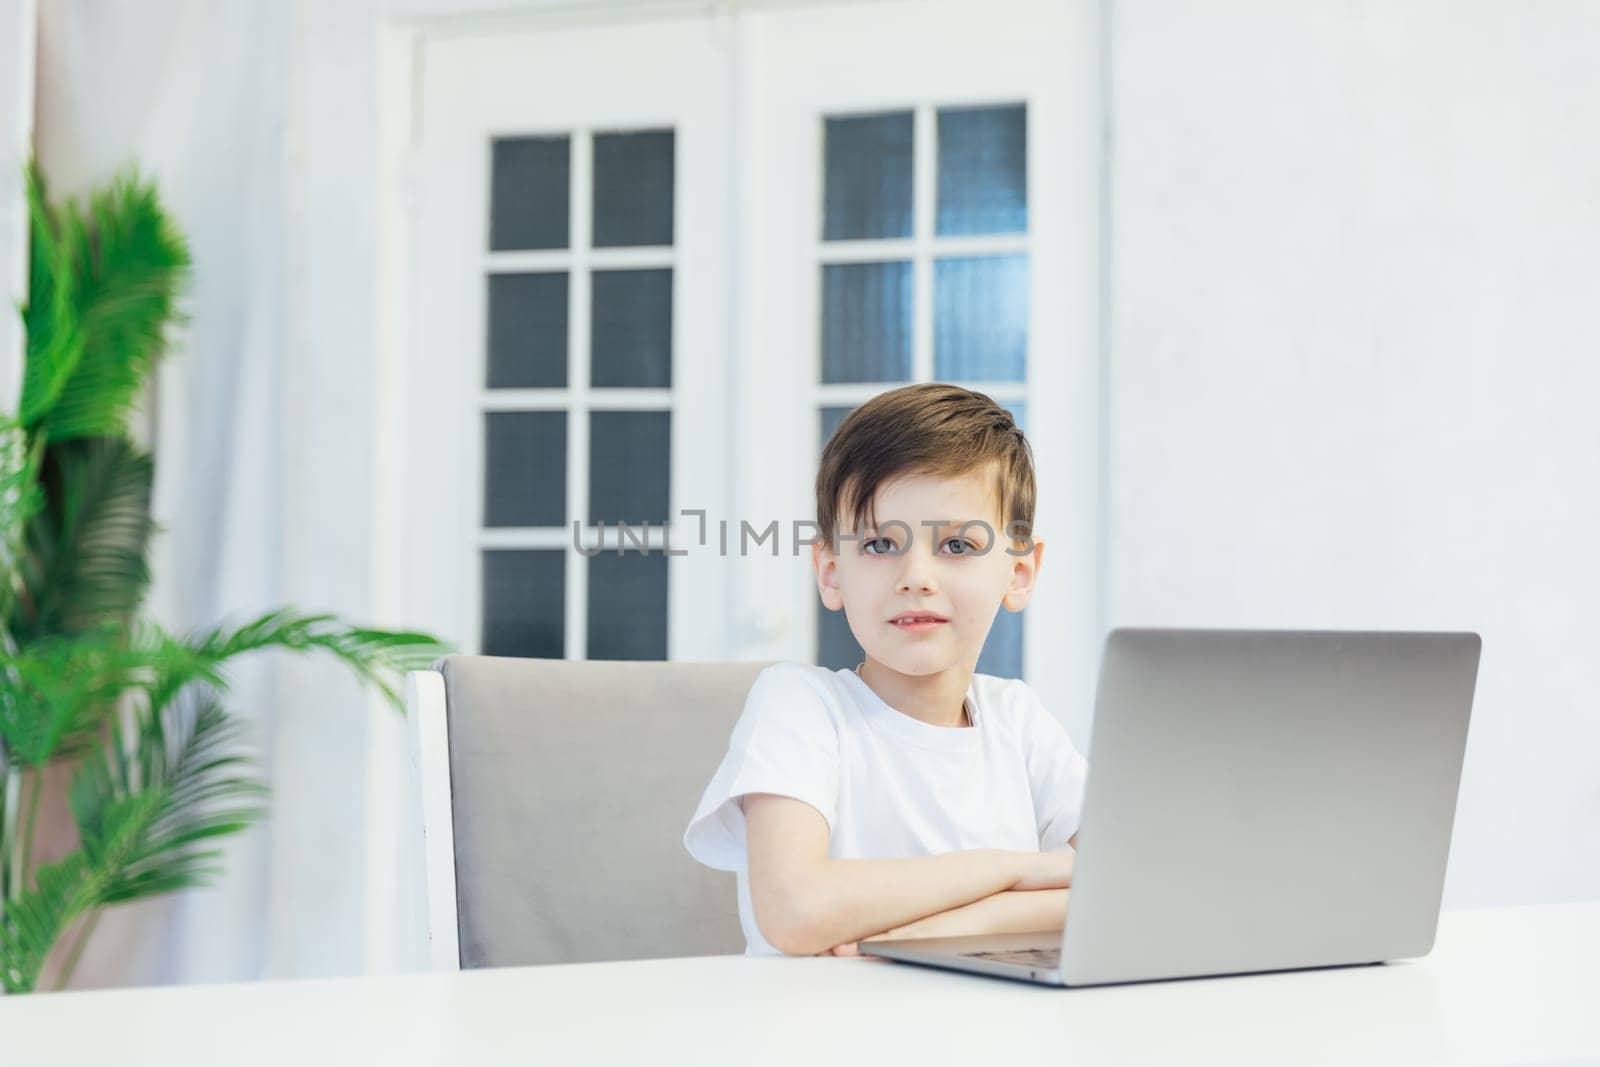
[[554, 817]]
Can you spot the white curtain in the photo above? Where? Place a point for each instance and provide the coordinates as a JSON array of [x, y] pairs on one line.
[[196, 94], [17, 21]]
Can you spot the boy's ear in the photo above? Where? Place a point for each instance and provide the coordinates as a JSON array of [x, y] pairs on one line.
[[1024, 573], [827, 568]]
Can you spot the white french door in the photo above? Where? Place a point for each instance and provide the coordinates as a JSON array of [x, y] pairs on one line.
[[570, 347], [655, 259], [923, 204]]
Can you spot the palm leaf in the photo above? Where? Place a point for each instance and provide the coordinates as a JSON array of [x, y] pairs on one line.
[[144, 813], [128, 262], [372, 654], [148, 807], [60, 691], [145, 821], [85, 563], [51, 316], [21, 499], [31, 922]]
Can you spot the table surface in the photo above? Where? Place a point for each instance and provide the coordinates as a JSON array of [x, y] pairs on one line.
[[1502, 986]]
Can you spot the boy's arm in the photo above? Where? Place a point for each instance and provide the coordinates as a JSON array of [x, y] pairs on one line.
[[806, 903], [1015, 911]]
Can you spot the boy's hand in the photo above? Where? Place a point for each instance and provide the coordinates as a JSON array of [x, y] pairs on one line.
[[1047, 870], [1012, 911], [851, 949], [1039, 870]]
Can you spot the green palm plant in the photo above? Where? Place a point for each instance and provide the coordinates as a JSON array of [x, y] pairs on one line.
[[157, 771]]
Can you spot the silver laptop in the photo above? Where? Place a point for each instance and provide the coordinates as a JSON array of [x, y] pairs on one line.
[[1256, 801]]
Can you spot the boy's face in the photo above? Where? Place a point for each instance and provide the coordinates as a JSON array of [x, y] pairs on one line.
[[885, 573]]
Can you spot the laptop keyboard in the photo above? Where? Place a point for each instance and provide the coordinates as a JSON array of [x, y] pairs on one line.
[[1030, 957]]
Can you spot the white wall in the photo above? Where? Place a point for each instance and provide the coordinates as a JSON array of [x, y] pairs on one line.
[[1355, 319]]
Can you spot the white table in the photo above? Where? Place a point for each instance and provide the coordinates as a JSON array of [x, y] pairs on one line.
[[1502, 986]]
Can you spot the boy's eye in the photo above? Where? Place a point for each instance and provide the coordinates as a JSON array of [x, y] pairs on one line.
[[964, 547]]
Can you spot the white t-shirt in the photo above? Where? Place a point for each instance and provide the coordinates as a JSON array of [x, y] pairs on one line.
[[890, 786]]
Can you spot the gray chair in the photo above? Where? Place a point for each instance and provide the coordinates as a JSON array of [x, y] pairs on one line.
[[553, 797]]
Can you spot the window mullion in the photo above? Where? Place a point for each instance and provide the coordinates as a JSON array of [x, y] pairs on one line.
[[577, 573]]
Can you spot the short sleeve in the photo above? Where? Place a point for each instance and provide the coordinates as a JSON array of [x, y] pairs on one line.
[[1057, 773], [785, 742]]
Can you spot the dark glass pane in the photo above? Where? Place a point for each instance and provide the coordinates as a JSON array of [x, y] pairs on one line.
[[527, 331], [866, 322], [529, 193], [1019, 415], [630, 338], [867, 176], [980, 319], [630, 465], [525, 468], [831, 418], [983, 170], [1002, 651], [837, 647], [633, 188], [523, 598], [627, 604]]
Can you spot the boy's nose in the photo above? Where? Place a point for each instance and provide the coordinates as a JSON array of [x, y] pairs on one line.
[[916, 576]]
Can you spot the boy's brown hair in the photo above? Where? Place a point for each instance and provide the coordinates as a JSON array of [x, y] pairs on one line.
[[932, 428]]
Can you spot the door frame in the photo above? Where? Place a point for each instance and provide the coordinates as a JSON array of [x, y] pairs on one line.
[[421, 538]]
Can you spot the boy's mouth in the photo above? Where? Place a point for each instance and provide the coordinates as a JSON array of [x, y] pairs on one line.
[[917, 620]]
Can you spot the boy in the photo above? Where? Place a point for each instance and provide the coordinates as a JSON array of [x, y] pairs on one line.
[[909, 797]]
